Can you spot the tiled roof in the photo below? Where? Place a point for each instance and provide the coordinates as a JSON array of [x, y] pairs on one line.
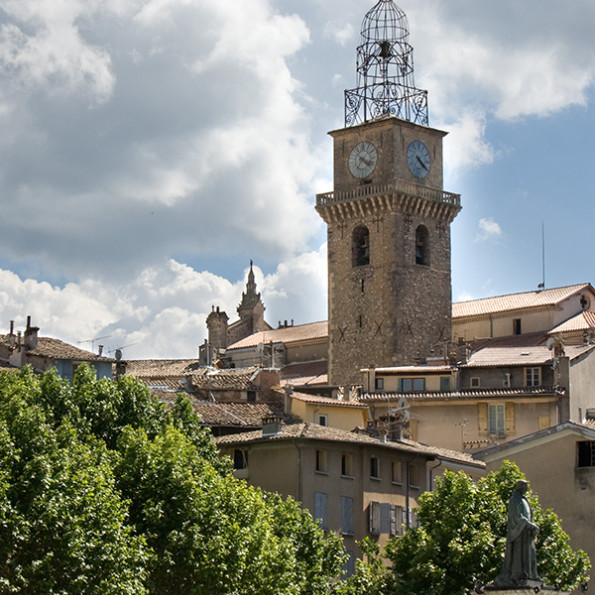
[[309, 431], [461, 395], [314, 331], [413, 369], [583, 321], [57, 349], [509, 356], [316, 400], [245, 415], [305, 373], [228, 379], [161, 367], [516, 301], [169, 373]]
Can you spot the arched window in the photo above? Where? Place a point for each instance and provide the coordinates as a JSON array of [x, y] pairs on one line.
[[422, 245], [360, 248]]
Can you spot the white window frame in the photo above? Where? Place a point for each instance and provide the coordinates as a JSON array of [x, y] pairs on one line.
[[497, 419], [533, 376], [322, 419]]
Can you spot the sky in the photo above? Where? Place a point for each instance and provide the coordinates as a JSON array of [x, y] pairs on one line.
[[149, 149]]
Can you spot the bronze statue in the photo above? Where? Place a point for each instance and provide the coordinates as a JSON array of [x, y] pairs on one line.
[[520, 561]]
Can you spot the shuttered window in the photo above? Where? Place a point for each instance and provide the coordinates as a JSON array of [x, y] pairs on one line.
[[346, 515], [320, 499]]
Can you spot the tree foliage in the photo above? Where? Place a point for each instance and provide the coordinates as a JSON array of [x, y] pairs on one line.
[[105, 490], [461, 539]]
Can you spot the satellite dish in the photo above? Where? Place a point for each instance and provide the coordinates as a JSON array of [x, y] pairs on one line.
[[550, 343]]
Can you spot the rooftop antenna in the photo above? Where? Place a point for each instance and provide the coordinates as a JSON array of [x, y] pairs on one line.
[[542, 284], [92, 341]]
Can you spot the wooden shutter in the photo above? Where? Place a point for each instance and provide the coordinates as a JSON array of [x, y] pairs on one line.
[[374, 510], [509, 419], [396, 520], [482, 418]]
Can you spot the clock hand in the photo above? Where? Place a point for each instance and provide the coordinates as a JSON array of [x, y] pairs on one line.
[[422, 163]]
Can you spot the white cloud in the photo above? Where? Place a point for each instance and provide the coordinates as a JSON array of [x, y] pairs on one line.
[[488, 229], [161, 312], [465, 146]]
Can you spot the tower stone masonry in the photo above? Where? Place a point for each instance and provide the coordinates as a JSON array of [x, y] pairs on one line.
[[388, 218]]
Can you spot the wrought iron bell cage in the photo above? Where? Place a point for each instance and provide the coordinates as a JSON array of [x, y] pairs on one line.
[[385, 85]]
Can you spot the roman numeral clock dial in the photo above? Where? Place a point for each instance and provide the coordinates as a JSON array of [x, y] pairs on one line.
[[362, 159], [418, 159]]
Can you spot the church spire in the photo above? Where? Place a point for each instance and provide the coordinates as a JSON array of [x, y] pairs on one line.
[[250, 298]]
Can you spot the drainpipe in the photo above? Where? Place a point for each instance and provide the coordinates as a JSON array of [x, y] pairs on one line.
[[431, 477]]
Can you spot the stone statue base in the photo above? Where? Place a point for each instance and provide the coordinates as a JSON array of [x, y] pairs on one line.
[[524, 590]]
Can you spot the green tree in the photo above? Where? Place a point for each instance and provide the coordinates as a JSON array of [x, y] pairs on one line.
[[105, 490], [461, 538]]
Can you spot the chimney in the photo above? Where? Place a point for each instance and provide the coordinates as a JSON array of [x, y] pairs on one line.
[[271, 426], [30, 339], [100, 351], [11, 337]]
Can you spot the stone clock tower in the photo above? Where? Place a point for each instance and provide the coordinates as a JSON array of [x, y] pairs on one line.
[[388, 217]]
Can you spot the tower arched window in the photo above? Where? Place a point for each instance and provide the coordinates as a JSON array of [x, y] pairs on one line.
[[360, 246], [422, 245]]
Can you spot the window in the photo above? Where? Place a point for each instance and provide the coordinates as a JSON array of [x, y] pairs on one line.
[[506, 383], [240, 459], [496, 420], [407, 385], [251, 396], [444, 384], [586, 453], [413, 476], [322, 419], [360, 247], [379, 383], [321, 462], [532, 377], [346, 465], [516, 326], [320, 509], [386, 518], [374, 468], [346, 515], [374, 518], [422, 251], [474, 382], [397, 472]]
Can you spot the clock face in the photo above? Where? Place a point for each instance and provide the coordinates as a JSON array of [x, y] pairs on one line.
[[418, 159], [363, 159]]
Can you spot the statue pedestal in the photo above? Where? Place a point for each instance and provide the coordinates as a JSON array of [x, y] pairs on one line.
[[521, 591]]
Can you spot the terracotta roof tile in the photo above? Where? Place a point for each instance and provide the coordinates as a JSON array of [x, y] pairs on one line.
[[57, 349], [509, 356], [317, 400], [305, 373], [309, 431], [161, 367], [583, 321], [241, 415], [516, 301], [468, 394], [314, 331]]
